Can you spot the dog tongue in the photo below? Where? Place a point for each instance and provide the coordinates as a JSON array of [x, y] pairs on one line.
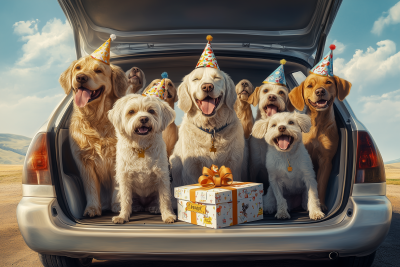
[[283, 141], [143, 130], [208, 105], [82, 97], [271, 110]]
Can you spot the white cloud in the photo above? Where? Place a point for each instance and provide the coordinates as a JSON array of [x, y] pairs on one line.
[[371, 65], [377, 107], [26, 27], [340, 47], [388, 18]]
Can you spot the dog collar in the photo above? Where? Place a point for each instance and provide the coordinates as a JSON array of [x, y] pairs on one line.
[[213, 132], [141, 151]]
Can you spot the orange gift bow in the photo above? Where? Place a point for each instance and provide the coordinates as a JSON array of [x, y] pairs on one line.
[[216, 178]]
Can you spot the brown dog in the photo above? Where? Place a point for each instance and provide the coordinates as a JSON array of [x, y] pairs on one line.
[[170, 134], [136, 80], [95, 87], [319, 92], [242, 108]]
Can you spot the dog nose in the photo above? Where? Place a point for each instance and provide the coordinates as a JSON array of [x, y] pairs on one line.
[[245, 84], [135, 70], [320, 92], [271, 98], [282, 128], [81, 78], [207, 87], [144, 119]]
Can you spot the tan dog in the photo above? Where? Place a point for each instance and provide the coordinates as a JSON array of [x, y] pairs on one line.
[[319, 92], [95, 86], [170, 134], [242, 108], [136, 80], [271, 99]]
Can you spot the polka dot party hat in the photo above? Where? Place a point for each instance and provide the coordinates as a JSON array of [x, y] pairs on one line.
[[325, 66], [208, 59], [158, 90], [103, 52], [278, 76]]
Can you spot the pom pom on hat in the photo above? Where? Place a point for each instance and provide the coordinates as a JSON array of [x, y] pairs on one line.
[[164, 75], [283, 61], [332, 47], [209, 38], [113, 37]]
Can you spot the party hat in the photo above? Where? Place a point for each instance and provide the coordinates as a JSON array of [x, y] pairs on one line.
[[277, 76], [208, 59], [158, 90], [325, 66], [103, 52]]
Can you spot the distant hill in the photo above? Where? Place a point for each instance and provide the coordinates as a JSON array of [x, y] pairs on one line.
[[393, 161], [13, 148]]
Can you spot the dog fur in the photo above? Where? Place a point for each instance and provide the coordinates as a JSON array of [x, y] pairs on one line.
[[284, 183], [263, 96], [323, 139], [136, 80], [92, 136], [144, 183], [192, 151], [242, 108], [170, 134]]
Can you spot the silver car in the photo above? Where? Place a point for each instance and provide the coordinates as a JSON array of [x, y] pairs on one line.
[[249, 40]]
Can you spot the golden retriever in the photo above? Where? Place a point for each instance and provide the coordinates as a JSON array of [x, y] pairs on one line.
[[318, 93], [136, 80], [95, 87], [242, 108], [170, 134]]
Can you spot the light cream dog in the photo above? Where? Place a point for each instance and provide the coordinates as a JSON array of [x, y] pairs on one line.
[[142, 165], [271, 99], [136, 80], [170, 134], [207, 97], [95, 86], [289, 165]]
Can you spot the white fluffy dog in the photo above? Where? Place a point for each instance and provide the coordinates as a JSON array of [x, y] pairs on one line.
[[271, 99], [207, 97], [288, 163], [141, 162]]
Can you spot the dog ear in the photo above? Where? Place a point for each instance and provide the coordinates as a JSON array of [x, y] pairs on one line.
[[140, 91], [231, 96], [185, 102], [254, 97], [119, 81], [114, 114], [66, 78], [296, 97], [260, 128], [343, 87], [167, 115], [304, 121]]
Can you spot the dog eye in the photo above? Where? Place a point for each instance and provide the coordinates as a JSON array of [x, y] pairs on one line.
[[273, 125], [291, 122], [265, 91], [98, 71], [328, 82], [131, 112], [169, 84], [151, 111], [309, 86], [78, 67], [281, 93], [195, 79], [217, 78]]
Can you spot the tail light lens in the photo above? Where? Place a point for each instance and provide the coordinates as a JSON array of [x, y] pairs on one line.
[[36, 167], [370, 167]]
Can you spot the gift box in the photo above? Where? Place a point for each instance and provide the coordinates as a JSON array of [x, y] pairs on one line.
[[216, 203]]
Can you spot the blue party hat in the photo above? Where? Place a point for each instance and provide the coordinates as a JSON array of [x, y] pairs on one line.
[[277, 76]]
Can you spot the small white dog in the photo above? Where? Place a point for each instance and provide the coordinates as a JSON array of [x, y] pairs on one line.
[[141, 161], [290, 170]]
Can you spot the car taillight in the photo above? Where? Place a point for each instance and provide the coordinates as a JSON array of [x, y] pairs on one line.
[[370, 168], [36, 167]]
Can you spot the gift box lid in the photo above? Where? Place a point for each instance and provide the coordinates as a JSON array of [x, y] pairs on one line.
[[219, 194]]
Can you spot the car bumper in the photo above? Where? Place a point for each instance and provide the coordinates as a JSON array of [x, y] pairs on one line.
[[355, 235]]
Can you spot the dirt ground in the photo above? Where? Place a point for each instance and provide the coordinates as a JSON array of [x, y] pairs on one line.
[[14, 251]]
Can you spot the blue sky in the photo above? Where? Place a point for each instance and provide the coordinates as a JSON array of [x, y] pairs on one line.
[[38, 45]]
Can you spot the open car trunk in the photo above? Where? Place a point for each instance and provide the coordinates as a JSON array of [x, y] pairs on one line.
[[239, 66]]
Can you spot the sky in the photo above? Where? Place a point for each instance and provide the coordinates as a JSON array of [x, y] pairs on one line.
[[37, 46]]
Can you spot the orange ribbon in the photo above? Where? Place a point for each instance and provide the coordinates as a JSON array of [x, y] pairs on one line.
[[212, 178]]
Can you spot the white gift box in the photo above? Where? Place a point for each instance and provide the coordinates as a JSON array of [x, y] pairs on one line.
[[214, 208]]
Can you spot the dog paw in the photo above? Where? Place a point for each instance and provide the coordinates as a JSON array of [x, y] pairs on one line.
[[154, 209], [92, 210], [118, 220], [316, 214], [116, 207], [282, 214], [170, 218]]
